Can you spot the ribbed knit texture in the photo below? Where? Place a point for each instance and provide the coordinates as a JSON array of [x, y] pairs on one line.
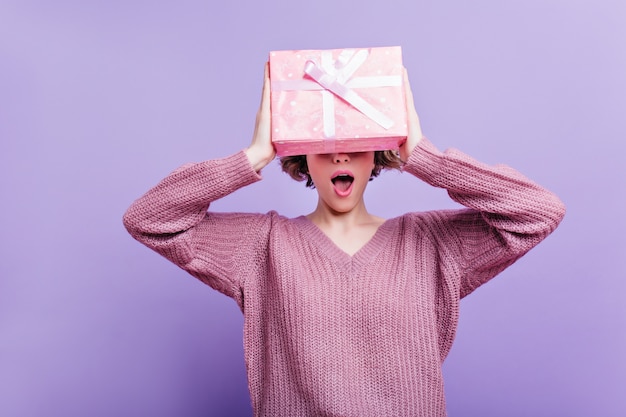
[[328, 334]]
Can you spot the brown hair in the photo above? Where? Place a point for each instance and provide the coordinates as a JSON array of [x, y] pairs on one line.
[[297, 168]]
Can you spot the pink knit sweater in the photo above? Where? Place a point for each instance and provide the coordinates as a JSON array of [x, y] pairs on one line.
[[328, 334]]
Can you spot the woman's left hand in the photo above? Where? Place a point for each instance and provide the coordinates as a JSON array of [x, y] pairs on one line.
[[414, 128]]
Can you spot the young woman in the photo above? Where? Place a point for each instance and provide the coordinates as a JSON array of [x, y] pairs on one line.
[[345, 313]]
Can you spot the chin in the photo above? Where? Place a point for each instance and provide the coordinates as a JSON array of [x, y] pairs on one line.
[[342, 208]]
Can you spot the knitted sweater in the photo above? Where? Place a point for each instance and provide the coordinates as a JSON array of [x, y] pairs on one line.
[[329, 334]]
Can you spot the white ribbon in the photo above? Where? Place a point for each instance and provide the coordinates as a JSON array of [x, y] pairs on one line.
[[332, 83], [328, 101], [356, 82], [335, 77]]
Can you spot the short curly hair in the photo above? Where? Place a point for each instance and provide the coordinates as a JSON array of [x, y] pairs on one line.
[[297, 168]]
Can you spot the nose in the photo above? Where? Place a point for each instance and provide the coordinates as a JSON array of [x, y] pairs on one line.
[[340, 157]]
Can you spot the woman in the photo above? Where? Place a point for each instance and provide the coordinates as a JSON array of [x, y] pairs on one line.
[[345, 313]]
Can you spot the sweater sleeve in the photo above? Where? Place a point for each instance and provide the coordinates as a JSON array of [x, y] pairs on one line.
[[506, 216], [172, 219]]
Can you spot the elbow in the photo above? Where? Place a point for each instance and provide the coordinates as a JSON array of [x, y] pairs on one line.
[[554, 212], [127, 222], [132, 221], [559, 210], [541, 220]]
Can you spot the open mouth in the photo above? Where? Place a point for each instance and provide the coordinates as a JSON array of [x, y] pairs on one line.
[[342, 182]]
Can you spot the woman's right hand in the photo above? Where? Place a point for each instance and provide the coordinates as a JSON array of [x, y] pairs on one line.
[[261, 151]]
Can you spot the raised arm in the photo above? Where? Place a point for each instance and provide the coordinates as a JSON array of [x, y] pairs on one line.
[[507, 215], [172, 218]]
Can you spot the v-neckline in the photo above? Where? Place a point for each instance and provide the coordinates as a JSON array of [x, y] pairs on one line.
[[340, 257]]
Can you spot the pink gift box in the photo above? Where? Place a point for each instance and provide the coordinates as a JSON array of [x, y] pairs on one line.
[[339, 100]]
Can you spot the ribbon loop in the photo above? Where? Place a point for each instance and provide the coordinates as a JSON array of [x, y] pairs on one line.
[[331, 83]]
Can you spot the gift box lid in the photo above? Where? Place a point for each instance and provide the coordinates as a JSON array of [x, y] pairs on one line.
[[347, 98]]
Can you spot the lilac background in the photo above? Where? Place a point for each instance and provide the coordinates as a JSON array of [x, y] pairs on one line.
[[100, 99]]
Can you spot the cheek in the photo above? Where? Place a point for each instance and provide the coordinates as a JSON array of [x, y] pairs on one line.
[[312, 168], [317, 175], [317, 165], [368, 165]]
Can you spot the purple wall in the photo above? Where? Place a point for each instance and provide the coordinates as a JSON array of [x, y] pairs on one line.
[[99, 101]]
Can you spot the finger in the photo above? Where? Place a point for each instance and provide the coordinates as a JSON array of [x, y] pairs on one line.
[[408, 92], [414, 129], [265, 96]]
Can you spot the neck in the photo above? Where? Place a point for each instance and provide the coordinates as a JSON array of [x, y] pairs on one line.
[[325, 216]]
